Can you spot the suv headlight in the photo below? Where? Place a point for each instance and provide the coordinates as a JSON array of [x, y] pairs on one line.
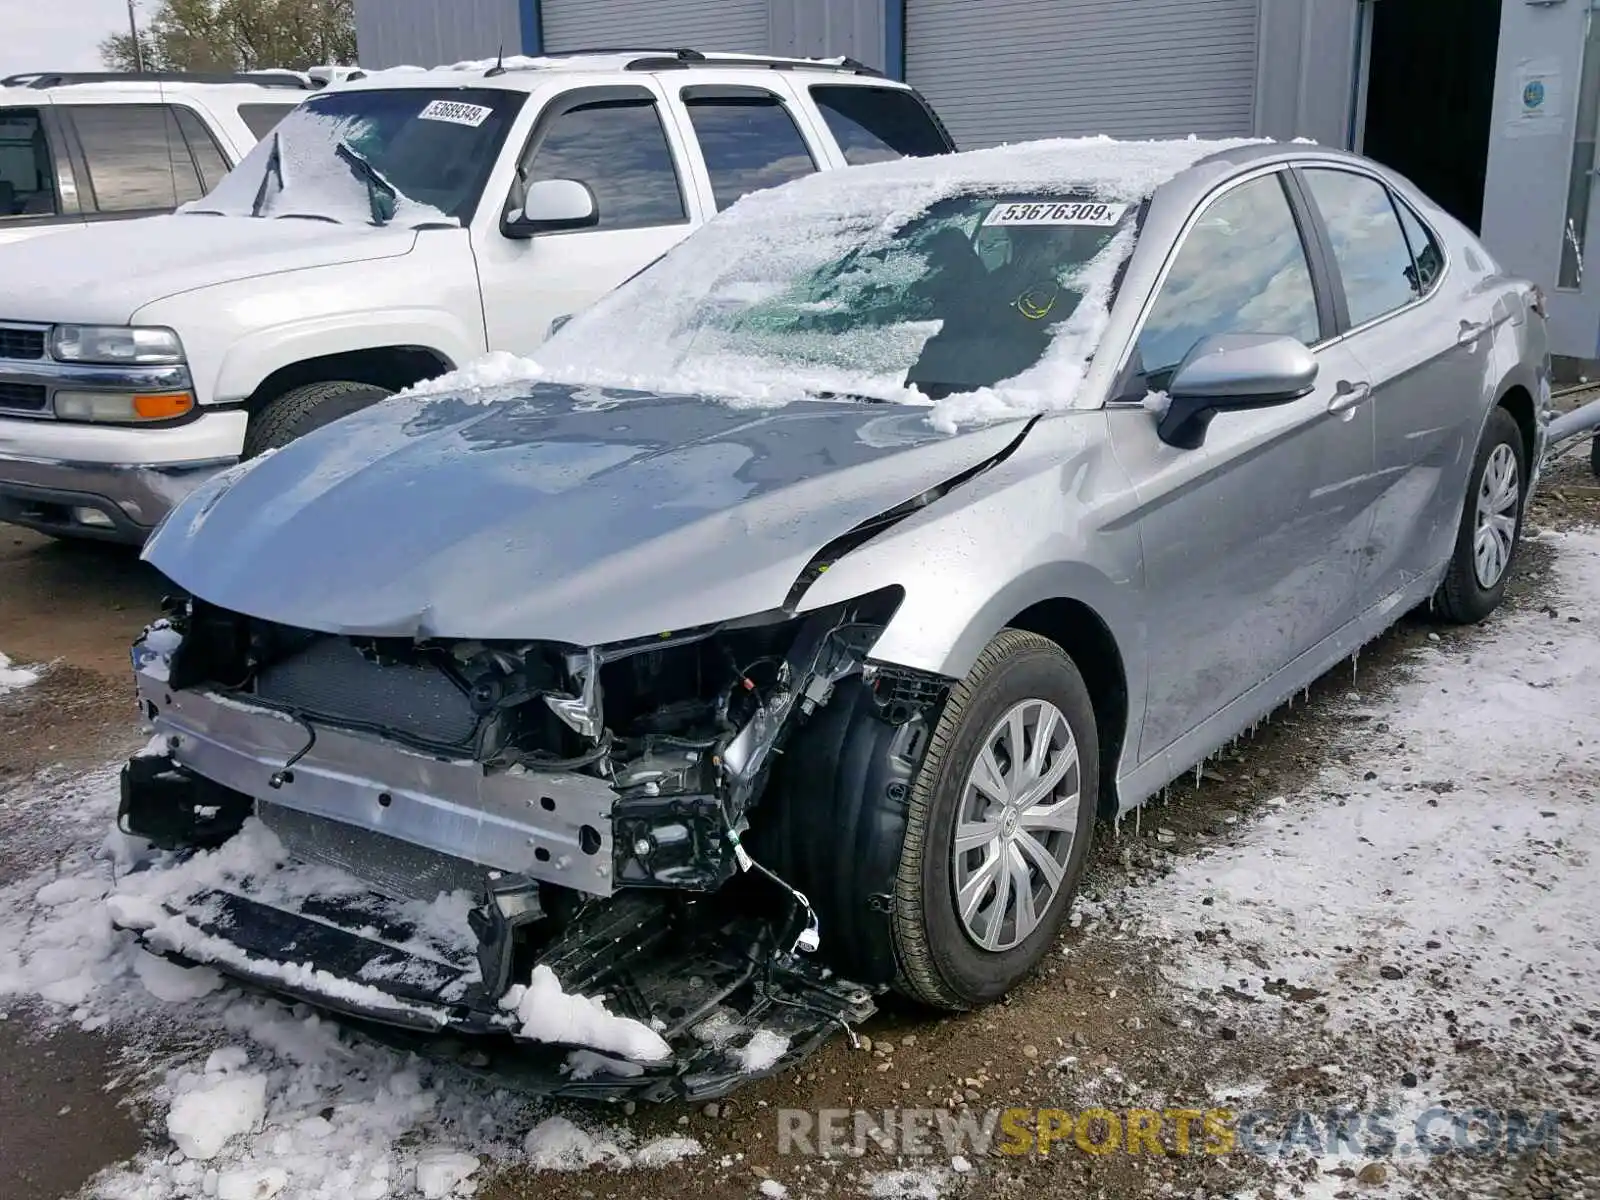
[[118, 345]]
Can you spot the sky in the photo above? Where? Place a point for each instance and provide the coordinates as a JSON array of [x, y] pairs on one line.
[[58, 35]]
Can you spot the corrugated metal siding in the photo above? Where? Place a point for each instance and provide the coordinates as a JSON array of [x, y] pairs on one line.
[[824, 28], [1010, 70], [739, 25], [427, 33]]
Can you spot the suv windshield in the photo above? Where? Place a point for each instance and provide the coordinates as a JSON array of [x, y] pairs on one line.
[[970, 292], [409, 156]]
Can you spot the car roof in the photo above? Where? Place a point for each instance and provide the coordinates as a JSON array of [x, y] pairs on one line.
[[526, 74]]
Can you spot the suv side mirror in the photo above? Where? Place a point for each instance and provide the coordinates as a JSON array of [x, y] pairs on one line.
[[1233, 371], [552, 205]]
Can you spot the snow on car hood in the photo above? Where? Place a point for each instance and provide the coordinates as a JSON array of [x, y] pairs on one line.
[[107, 272], [567, 514]]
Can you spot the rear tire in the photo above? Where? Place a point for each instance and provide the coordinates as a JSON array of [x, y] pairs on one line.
[[959, 955], [300, 410], [1594, 455], [1491, 526]]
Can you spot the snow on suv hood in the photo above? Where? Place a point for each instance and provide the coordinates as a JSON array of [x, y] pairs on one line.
[[568, 514], [108, 271]]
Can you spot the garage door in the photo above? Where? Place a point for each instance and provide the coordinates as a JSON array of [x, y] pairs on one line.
[[670, 24], [1010, 70]]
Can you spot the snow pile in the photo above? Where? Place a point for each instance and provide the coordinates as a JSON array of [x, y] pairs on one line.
[[441, 1173], [559, 1144], [913, 1183], [762, 1051], [220, 1106], [13, 678], [547, 1014]]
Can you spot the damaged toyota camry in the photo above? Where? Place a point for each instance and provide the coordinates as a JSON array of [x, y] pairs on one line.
[[637, 717]]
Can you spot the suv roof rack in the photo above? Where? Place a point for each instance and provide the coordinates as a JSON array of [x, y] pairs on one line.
[[49, 79], [847, 66], [681, 56]]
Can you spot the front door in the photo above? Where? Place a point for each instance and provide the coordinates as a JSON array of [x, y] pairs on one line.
[[1541, 212], [628, 148], [1251, 542]]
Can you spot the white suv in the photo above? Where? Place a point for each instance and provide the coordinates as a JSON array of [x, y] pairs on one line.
[[389, 229], [80, 148]]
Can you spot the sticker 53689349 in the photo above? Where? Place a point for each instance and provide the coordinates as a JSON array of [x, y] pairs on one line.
[[456, 112], [1056, 212]]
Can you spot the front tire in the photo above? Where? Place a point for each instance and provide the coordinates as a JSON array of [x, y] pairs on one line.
[[300, 410], [1000, 821], [1491, 526]]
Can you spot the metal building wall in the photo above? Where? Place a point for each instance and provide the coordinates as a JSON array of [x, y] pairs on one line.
[[825, 28], [426, 33], [1011, 70], [1306, 81], [740, 25]]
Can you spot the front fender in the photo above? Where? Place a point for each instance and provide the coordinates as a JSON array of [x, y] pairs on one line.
[[1049, 523], [257, 355]]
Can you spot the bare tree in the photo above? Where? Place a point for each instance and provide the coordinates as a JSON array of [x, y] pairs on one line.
[[238, 35]]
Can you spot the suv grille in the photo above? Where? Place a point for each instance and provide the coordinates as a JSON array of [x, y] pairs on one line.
[[21, 343], [24, 397]]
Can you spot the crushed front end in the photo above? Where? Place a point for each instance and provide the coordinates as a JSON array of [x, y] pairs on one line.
[[493, 839]]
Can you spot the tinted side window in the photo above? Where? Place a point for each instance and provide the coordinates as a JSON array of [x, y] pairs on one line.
[[872, 124], [1425, 252], [1368, 247], [1242, 269], [620, 150], [262, 119], [27, 172], [207, 154], [136, 158], [749, 143]]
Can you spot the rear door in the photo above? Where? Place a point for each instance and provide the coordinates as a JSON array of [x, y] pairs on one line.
[[1424, 341], [38, 190]]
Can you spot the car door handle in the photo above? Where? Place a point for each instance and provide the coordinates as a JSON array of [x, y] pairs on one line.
[[1348, 397], [1470, 332]]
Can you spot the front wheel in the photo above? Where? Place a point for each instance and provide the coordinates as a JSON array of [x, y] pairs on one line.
[[1000, 821], [1491, 526]]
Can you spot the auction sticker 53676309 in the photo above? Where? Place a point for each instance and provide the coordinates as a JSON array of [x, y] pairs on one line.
[[1056, 212]]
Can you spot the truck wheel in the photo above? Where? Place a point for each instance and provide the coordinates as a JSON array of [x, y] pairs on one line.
[[1594, 455], [300, 410], [999, 825]]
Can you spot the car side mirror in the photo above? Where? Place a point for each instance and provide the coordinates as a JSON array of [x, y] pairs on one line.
[[1229, 372], [550, 206]]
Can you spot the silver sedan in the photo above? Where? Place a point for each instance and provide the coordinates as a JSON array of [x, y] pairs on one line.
[[817, 590]]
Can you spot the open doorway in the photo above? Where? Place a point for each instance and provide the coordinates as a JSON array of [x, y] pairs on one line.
[[1430, 95]]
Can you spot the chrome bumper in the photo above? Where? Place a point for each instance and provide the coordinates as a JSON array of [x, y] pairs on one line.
[[550, 827]]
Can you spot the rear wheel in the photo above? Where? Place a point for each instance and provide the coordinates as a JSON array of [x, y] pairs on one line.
[[1594, 455], [999, 825], [300, 410], [1491, 526]]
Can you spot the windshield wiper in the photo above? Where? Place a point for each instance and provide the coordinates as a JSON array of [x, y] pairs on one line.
[[273, 173], [306, 217], [382, 196], [851, 396]]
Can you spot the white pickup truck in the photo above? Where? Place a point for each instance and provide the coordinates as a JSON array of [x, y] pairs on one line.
[[387, 230]]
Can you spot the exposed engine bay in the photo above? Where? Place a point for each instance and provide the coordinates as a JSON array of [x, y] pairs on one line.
[[601, 815]]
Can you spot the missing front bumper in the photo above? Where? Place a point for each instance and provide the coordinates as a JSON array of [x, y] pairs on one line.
[[679, 966]]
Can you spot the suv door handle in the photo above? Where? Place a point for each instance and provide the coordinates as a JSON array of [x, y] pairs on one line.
[[1470, 332], [1348, 397]]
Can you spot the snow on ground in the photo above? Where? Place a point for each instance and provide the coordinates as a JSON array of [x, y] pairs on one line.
[[13, 678], [1451, 841], [1438, 887]]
